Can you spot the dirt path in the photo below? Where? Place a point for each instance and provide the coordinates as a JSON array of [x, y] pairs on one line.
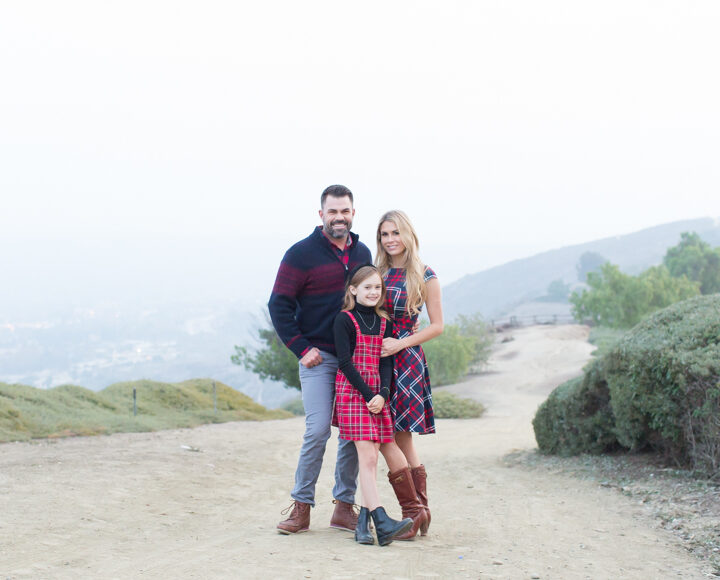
[[140, 506]]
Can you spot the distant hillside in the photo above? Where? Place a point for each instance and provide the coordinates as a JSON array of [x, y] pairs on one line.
[[29, 413], [499, 290], [106, 343]]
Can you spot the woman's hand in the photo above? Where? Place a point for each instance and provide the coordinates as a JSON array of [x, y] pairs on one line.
[[390, 346], [376, 404]]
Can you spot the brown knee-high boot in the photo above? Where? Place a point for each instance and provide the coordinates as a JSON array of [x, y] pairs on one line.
[[419, 476], [402, 484]]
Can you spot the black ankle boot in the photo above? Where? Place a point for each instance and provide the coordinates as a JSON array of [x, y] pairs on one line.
[[386, 527], [363, 535]]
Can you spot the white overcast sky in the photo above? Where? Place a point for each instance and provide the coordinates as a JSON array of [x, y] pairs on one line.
[[503, 128]]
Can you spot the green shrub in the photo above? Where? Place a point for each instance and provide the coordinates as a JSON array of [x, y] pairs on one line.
[[604, 338], [664, 382], [449, 355], [657, 388], [450, 406], [577, 417]]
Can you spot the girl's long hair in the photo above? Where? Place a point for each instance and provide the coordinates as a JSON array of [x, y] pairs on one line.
[[358, 277], [414, 268]]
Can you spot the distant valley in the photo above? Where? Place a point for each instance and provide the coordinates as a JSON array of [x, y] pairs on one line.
[[95, 347]]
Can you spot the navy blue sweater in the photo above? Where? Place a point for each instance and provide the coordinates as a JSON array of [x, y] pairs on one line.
[[309, 291]]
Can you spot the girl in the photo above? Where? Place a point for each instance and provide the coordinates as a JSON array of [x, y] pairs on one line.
[[410, 284], [361, 390]]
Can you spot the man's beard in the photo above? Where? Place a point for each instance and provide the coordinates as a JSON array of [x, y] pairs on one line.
[[337, 235]]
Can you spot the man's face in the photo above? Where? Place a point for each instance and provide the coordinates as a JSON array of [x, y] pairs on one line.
[[337, 216]]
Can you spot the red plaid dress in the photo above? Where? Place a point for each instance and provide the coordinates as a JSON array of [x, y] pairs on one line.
[[350, 412]]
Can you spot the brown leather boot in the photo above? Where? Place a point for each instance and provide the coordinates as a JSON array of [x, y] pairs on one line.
[[344, 516], [402, 484], [419, 476], [299, 520]]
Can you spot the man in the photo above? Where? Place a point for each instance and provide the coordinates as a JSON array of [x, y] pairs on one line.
[[305, 300]]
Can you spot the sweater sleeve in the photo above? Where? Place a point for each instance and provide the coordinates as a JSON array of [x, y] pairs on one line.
[[386, 366], [344, 331], [283, 305]]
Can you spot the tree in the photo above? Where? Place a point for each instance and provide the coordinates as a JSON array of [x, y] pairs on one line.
[[558, 291], [694, 258], [474, 326], [619, 300], [589, 262], [273, 361]]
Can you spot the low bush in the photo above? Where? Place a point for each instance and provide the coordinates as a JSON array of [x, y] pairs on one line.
[[449, 356], [463, 348], [577, 416], [604, 338], [449, 406], [664, 382], [657, 388]]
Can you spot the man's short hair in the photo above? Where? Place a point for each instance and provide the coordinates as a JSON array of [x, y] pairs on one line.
[[336, 191]]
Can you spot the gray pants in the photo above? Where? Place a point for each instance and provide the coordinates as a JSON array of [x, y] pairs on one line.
[[318, 395]]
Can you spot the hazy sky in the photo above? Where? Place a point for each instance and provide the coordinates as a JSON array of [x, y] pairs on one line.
[[503, 128]]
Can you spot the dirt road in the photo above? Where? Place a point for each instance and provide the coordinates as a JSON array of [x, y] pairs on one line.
[[142, 506]]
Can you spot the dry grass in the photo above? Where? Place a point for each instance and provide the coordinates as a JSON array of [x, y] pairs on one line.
[[66, 411]]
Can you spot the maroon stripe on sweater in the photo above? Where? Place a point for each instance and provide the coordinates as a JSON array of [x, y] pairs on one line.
[[289, 280], [326, 279]]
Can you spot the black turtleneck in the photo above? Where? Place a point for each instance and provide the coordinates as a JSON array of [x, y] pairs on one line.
[[344, 329]]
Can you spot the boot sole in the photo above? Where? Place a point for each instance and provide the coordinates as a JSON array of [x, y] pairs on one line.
[[289, 533], [400, 532], [343, 528]]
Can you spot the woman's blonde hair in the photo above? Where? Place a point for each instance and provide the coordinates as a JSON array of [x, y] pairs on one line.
[[358, 277], [414, 268]]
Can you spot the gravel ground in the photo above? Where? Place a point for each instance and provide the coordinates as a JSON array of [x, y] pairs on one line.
[[680, 503]]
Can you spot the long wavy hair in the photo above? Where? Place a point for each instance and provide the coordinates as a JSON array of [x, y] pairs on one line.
[[358, 277], [414, 268]]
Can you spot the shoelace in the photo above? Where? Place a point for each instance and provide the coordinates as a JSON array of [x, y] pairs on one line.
[[287, 509], [355, 507]]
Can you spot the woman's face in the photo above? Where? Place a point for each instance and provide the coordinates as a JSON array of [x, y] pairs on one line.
[[369, 291], [390, 239]]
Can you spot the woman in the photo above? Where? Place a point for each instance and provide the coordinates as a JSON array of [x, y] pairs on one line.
[[410, 284]]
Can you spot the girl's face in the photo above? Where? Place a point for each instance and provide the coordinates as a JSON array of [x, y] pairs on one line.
[[369, 291], [390, 239]]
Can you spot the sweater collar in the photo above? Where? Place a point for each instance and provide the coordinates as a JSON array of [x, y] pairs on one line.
[[364, 309]]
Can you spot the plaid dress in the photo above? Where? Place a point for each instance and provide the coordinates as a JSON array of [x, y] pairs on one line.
[[411, 397], [350, 412]]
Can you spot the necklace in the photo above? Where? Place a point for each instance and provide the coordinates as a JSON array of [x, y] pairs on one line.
[[369, 328]]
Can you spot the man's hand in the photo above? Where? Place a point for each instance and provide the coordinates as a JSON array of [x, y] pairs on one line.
[[312, 358], [376, 404]]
